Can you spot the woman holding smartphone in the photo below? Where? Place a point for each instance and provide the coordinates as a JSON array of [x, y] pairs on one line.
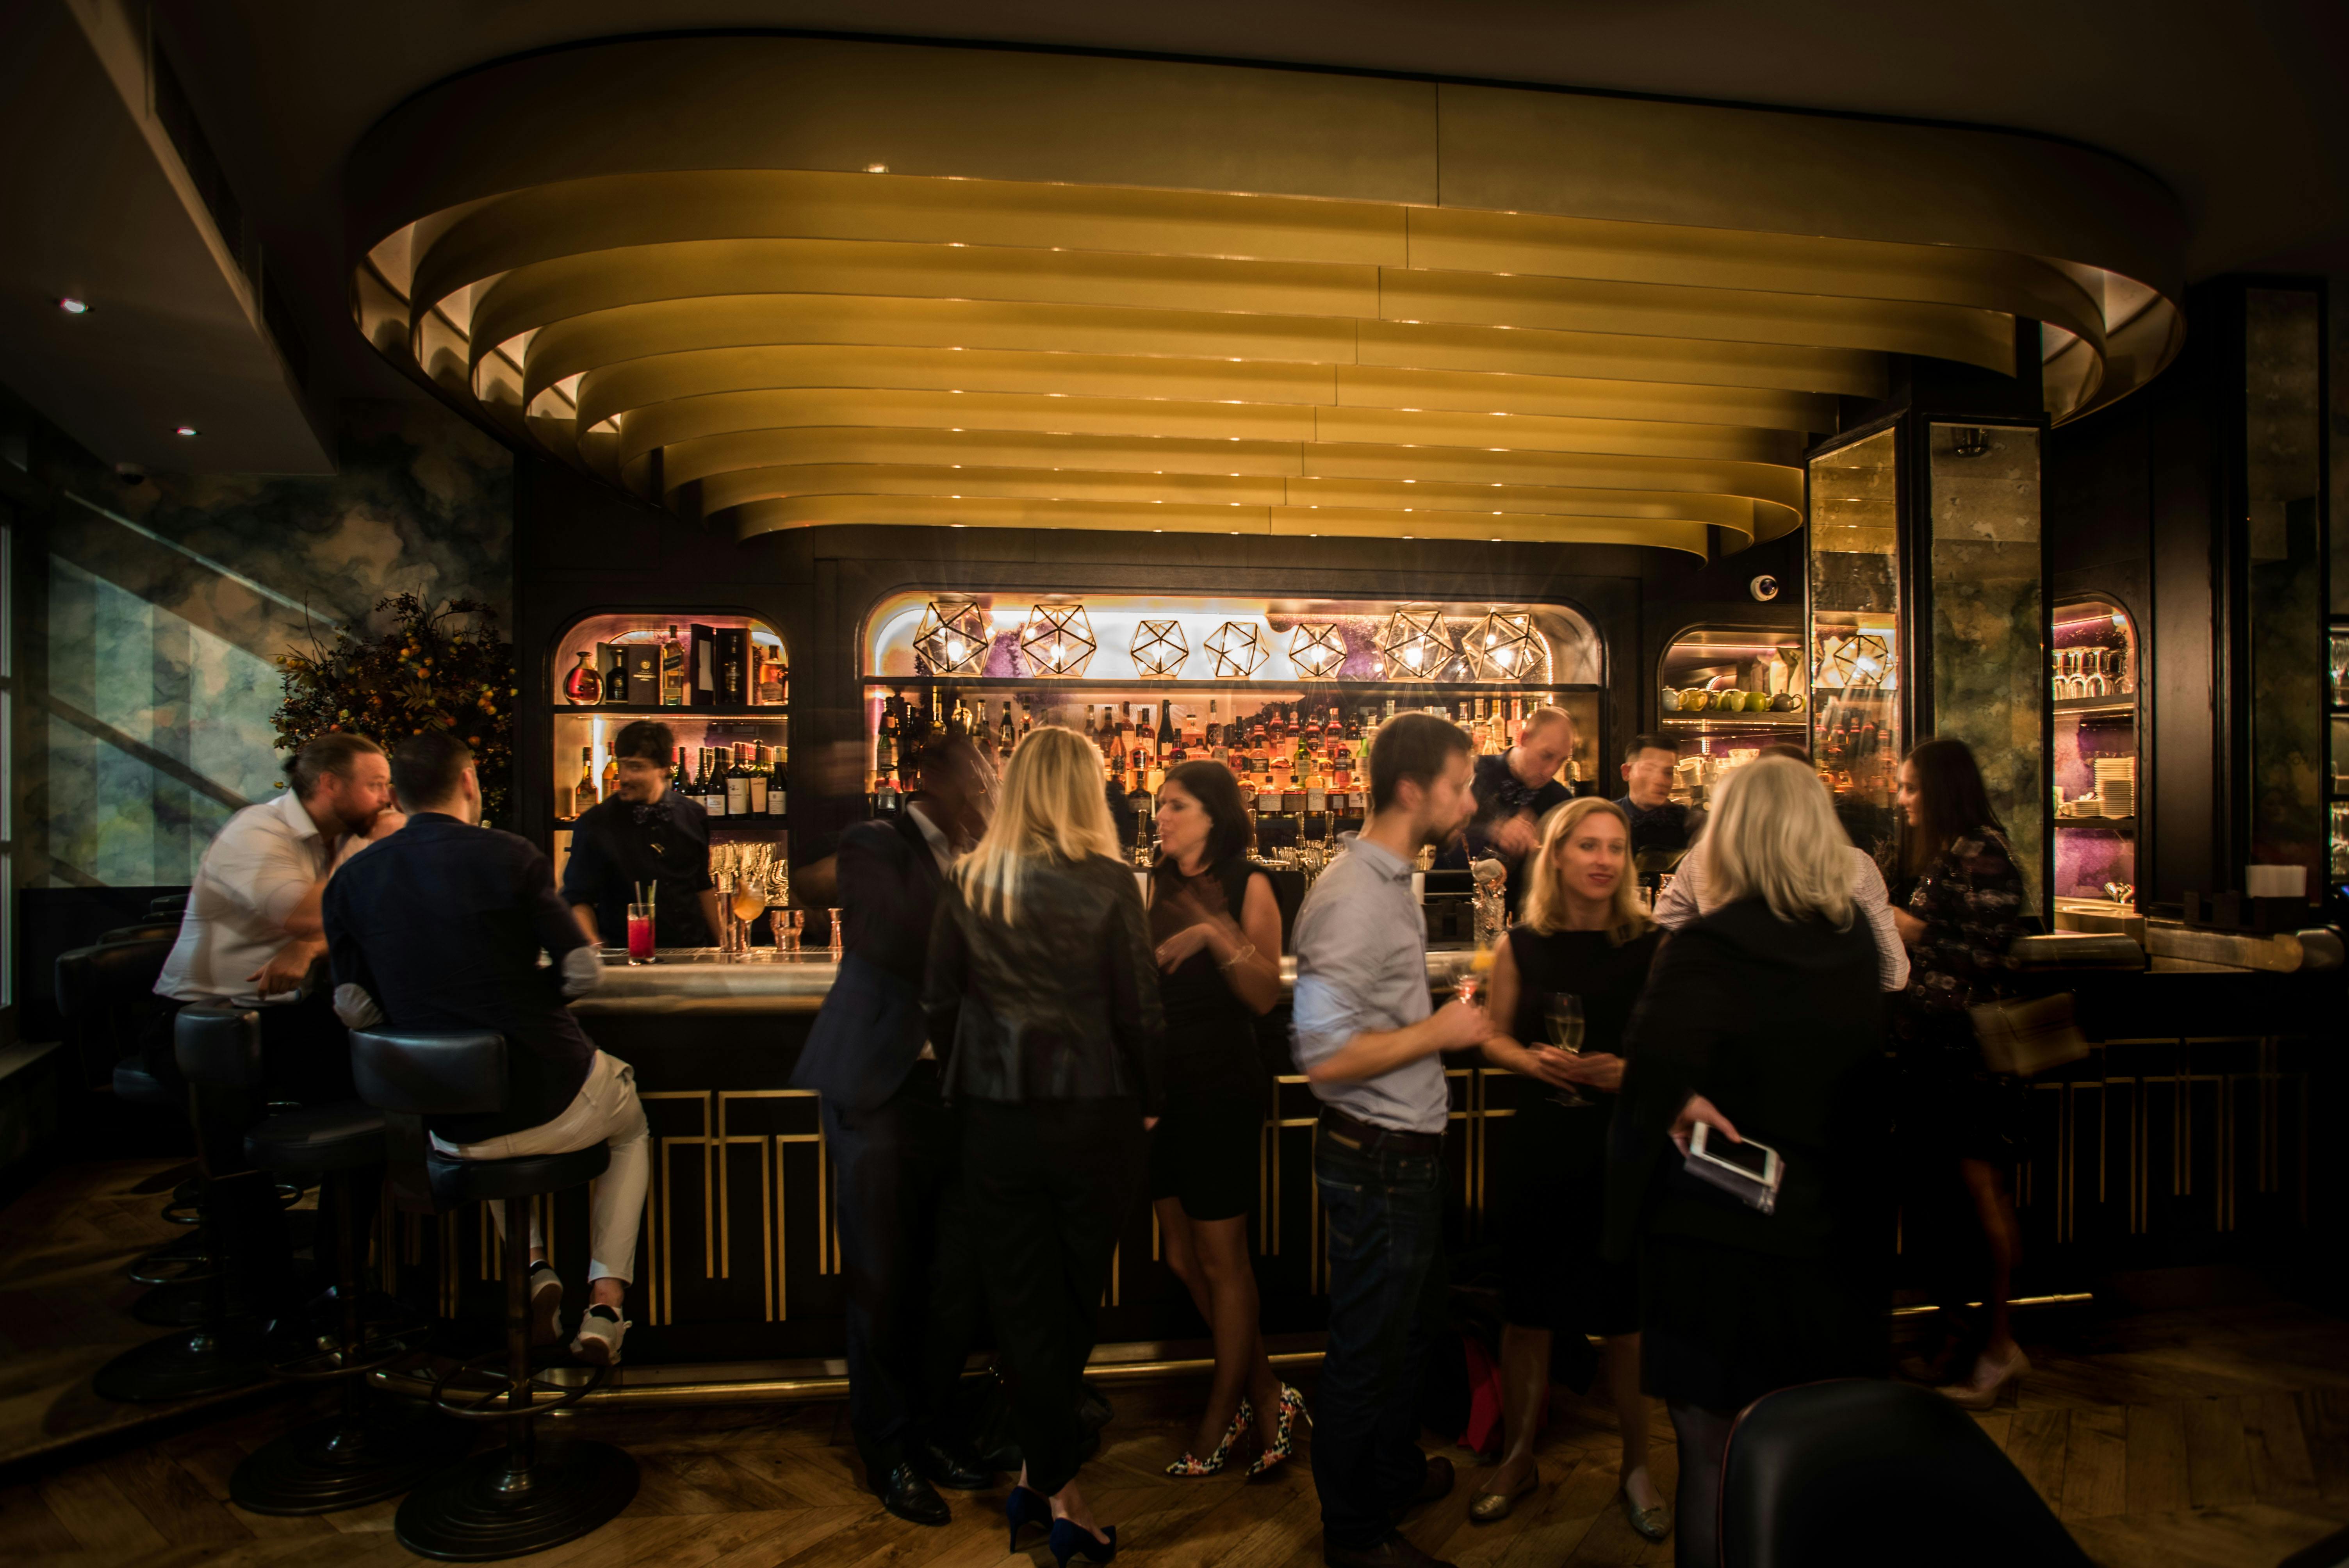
[[1563, 987], [1762, 1022], [1043, 993], [1217, 926]]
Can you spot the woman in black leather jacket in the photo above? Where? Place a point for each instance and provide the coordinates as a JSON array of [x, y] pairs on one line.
[[1043, 988]]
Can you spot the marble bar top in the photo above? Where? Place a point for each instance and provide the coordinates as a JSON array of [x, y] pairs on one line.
[[696, 980]]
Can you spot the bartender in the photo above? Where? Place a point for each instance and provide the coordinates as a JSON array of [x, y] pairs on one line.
[[1661, 827], [648, 838], [1514, 790]]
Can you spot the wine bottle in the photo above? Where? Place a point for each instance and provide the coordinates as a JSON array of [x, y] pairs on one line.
[[1166, 731], [755, 792], [738, 784], [778, 786]]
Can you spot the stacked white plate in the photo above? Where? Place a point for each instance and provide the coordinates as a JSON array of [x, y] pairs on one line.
[[2117, 786]]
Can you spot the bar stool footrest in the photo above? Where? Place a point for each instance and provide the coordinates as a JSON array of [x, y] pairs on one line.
[[474, 1511], [497, 1404]]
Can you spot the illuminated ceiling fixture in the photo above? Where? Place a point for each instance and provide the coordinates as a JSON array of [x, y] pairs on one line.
[[1415, 646], [1854, 661], [186, 431], [73, 306], [1503, 647], [1159, 648], [1316, 649], [1058, 639], [952, 638], [1238, 649]]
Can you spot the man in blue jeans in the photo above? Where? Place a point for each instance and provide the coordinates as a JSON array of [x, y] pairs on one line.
[[1369, 1044]]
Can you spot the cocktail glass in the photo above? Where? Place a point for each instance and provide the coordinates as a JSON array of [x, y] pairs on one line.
[[640, 934]]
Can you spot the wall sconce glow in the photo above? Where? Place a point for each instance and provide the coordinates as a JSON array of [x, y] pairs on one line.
[[1159, 648], [1503, 648], [73, 306], [1415, 646], [1238, 649], [952, 638], [1316, 649], [186, 431], [1058, 639]]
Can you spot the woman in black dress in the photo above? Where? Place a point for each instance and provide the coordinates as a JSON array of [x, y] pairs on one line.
[[1956, 1117], [1217, 927], [1762, 1021], [1584, 935]]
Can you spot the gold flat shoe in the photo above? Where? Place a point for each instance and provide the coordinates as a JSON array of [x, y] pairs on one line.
[[1491, 1507], [1654, 1523]]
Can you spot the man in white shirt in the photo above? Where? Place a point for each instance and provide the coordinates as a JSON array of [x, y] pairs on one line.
[[252, 929]]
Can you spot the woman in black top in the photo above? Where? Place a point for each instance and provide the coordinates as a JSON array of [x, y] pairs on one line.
[[1762, 1021], [1585, 936], [1042, 990], [1962, 915], [1217, 927]]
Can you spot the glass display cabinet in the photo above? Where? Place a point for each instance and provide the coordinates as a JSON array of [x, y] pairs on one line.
[[2093, 695], [720, 680], [1855, 641], [1287, 694], [1726, 692]]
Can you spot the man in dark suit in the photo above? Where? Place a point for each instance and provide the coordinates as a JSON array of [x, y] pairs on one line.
[[912, 1293]]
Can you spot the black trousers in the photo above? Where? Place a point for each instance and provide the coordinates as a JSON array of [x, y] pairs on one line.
[[1049, 1181], [904, 1247]]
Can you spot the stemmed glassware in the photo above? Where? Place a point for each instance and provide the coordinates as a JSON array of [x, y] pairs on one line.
[[1562, 1017]]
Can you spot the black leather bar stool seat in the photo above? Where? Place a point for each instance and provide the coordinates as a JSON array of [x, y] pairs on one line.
[[134, 1085], [218, 1051], [370, 1448], [509, 1502]]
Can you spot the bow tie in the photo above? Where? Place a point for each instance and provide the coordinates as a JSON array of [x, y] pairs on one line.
[[647, 811]]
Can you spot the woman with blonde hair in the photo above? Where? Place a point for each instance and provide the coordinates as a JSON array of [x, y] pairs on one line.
[[1569, 972], [1762, 1021], [1043, 993]]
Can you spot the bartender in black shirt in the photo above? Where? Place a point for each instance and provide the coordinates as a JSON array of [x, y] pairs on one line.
[[1657, 822], [645, 837], [1514, 790]]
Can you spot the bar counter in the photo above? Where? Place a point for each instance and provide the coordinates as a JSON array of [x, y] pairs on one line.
[[2182, 1137]]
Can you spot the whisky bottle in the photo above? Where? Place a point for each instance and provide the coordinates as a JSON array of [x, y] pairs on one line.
[[612, 770], [672, 671], [583, 794]]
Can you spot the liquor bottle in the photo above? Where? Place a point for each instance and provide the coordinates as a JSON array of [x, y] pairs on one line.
[[679, 774], [1006, 737], [1317, 790], [778, 786], [885, 795], [885, 750], [583, 794], [713, 781], [1113, 744], [1267, 795], [1092, 731], [1354, 726], [757, 781], [612, 770], [583, 686], [1214, 733], [1027, 722], [1139, 801], [1167, 734], [672, 671], [772, 682], [738, 783], [1125, 726]]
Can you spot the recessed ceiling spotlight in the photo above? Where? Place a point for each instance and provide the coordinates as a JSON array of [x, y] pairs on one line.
[[187, 430], [73, 306], [876, 168]]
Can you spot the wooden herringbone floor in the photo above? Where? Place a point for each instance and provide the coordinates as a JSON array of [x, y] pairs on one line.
[[2210, 1437]]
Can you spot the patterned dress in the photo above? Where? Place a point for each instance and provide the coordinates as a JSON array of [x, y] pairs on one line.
[[1971, 899]]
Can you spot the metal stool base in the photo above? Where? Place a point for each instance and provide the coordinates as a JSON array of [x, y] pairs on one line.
[[324, 1467], [159, 1265], [463, 1515], [212, 1360]]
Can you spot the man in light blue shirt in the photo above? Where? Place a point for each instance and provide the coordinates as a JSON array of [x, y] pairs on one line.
[[1370, 1044]]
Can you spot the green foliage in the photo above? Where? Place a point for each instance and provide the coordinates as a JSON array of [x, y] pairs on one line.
[[423, 674]]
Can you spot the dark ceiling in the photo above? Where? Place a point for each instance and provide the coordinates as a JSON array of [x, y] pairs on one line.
[[2237, 107]]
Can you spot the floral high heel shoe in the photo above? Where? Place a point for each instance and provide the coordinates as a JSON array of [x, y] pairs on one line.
[[1284, 1436], [1190, 1467]]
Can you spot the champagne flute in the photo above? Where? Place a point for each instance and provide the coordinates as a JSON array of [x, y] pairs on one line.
[[1562, 1016]]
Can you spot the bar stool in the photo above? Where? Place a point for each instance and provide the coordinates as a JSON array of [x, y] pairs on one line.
[[504, 1504], [367, 1451], [217, 1050]]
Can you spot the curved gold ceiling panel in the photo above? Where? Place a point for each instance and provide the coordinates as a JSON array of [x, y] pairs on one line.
[[870, 282]]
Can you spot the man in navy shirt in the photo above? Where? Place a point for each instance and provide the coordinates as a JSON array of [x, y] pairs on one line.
[[1659, 823], [439, 927], [1514, 790], [646, 836]]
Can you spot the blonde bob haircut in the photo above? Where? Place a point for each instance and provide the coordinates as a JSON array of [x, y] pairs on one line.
[[1774, 836], [1050, 805], [1544, 905]]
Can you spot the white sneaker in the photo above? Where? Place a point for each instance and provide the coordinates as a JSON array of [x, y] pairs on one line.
[[546, 1305], [598, 1340]]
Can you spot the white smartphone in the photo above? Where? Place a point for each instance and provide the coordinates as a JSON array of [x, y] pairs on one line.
[[1749, 1171]]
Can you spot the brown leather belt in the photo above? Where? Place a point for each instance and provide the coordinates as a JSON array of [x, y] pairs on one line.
[[1356, 1133]]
